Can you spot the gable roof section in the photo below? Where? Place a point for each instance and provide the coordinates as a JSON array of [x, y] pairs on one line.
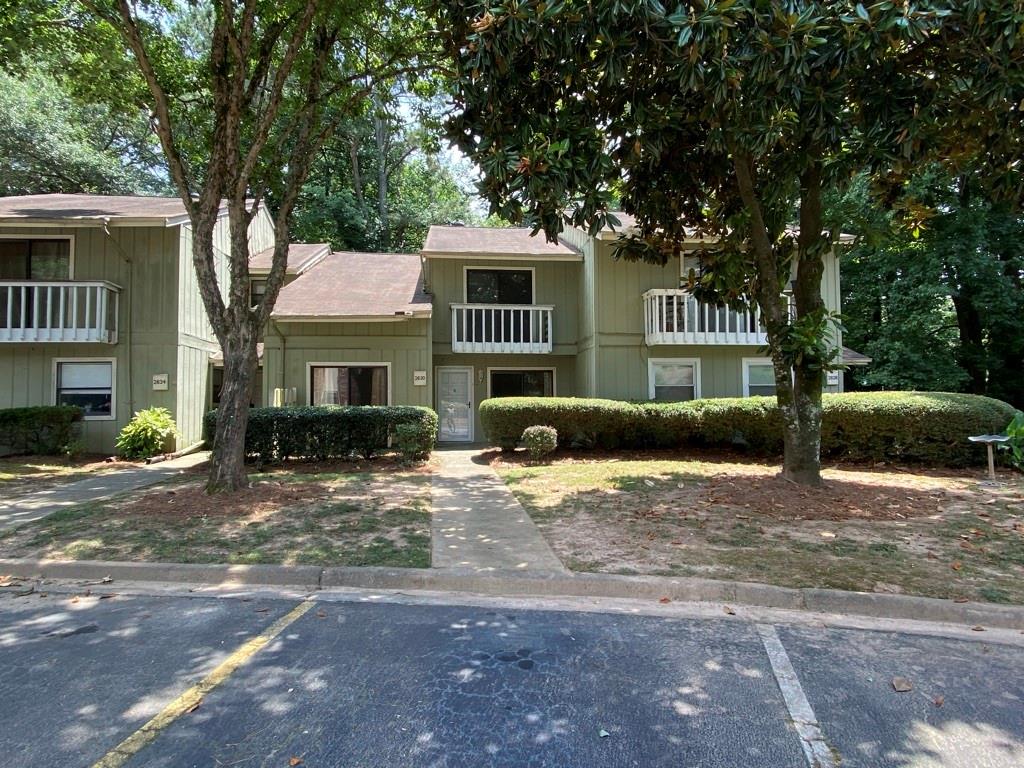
[[119, 210], [493, 242], [627, 222], [350, 285], [301, 257]]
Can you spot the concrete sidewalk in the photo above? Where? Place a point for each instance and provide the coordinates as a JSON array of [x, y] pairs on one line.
[[33, 506], [478, 525]]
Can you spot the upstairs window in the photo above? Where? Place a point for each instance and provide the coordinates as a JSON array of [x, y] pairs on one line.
[[499, 286], [257, 289], [89, 384], [35, 259]]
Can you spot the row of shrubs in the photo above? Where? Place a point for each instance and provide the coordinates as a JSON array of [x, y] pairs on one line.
[[45, 430], [325, 432], [927, 427]]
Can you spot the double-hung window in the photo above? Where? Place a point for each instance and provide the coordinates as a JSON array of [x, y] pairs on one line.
[[758, 377], [88, 384], [674, 379]]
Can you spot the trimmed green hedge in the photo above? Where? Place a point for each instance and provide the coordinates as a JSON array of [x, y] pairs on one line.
[[324, 431], [45, 430], [929, 427]]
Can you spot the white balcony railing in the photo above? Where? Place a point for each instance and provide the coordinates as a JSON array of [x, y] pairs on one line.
[[501, 328], [58, 311], [676, 317]]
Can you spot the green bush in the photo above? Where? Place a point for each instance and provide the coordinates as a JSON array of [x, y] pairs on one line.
[[928, 427], [324, 432], [415, 441], [46, 430], [147, 434], [540, 441], [1015, 431]]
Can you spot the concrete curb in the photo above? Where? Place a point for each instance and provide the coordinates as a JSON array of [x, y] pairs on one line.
[[536, 584]]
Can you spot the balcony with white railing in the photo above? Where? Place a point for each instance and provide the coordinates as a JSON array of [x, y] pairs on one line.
[[675, 317], [501, 328], [78, 310]]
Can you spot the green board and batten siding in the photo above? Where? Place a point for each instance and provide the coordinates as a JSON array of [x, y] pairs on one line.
[[621, 360], [289, 348], [162, 325], [556, 284], [143, 262]]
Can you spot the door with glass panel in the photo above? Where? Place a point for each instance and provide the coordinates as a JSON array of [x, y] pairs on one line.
[[455, 404]]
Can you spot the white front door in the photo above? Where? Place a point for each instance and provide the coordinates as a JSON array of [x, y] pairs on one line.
[[455, 404]]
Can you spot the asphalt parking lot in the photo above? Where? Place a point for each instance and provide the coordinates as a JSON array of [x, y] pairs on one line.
[[350, 683]]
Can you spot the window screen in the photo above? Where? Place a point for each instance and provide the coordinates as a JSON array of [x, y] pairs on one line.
[[760, 379], [674, 381], [89, 385]]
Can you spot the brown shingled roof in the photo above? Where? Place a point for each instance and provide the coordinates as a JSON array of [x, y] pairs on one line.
[[491, 241], [91, 207], [301, 256], [349, 285]]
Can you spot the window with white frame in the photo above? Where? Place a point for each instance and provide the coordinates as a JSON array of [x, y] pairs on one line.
[[35, 259], [331, 384], [758, 377], [674, 379], [88, 384]]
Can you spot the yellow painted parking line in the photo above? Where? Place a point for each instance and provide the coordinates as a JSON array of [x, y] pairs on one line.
[[191, 698]]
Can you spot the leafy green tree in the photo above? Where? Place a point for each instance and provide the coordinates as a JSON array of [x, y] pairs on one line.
[[50, 141], [732, 120], [936, 302], [241, 106]]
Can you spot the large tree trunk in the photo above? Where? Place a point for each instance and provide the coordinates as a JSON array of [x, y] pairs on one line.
[[227, 469], [971, 355], [797, 387]]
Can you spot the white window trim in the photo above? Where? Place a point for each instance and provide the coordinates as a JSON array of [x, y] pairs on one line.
[[517, 368], [653, 361], [361, 364], [747, 362], [113, 382], [472, 396], [69, 238], [488, 268]]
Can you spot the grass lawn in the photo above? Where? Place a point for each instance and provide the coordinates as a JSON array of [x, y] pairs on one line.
[[881, 529], [24, 474], [319, 515]]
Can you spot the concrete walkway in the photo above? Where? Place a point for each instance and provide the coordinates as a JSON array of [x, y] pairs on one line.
[[477, 523], [33, 506]]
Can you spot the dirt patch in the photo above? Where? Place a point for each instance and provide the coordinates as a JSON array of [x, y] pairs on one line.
[[347, 518], [936, 533]]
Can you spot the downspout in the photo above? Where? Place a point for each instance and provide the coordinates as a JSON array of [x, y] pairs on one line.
[[284, 344], [128, 312]]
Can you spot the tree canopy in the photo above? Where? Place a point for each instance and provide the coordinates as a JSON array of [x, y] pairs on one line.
[[732, 120]]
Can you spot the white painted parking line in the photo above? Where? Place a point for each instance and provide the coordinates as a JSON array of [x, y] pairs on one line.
[[817, 751]]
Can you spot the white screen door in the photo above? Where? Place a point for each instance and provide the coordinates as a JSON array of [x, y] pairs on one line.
[[455, 404]]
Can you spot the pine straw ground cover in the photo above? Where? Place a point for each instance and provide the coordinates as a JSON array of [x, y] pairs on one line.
[[25, 474], [883, 529], [373, 513]]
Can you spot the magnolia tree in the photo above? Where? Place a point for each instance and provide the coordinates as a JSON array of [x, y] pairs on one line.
[[242, 94], [730, 121]]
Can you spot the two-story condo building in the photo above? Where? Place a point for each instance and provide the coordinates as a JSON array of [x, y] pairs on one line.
[[99, 307]]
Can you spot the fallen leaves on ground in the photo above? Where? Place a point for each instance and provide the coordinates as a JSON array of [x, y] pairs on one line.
[[901, 685]]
